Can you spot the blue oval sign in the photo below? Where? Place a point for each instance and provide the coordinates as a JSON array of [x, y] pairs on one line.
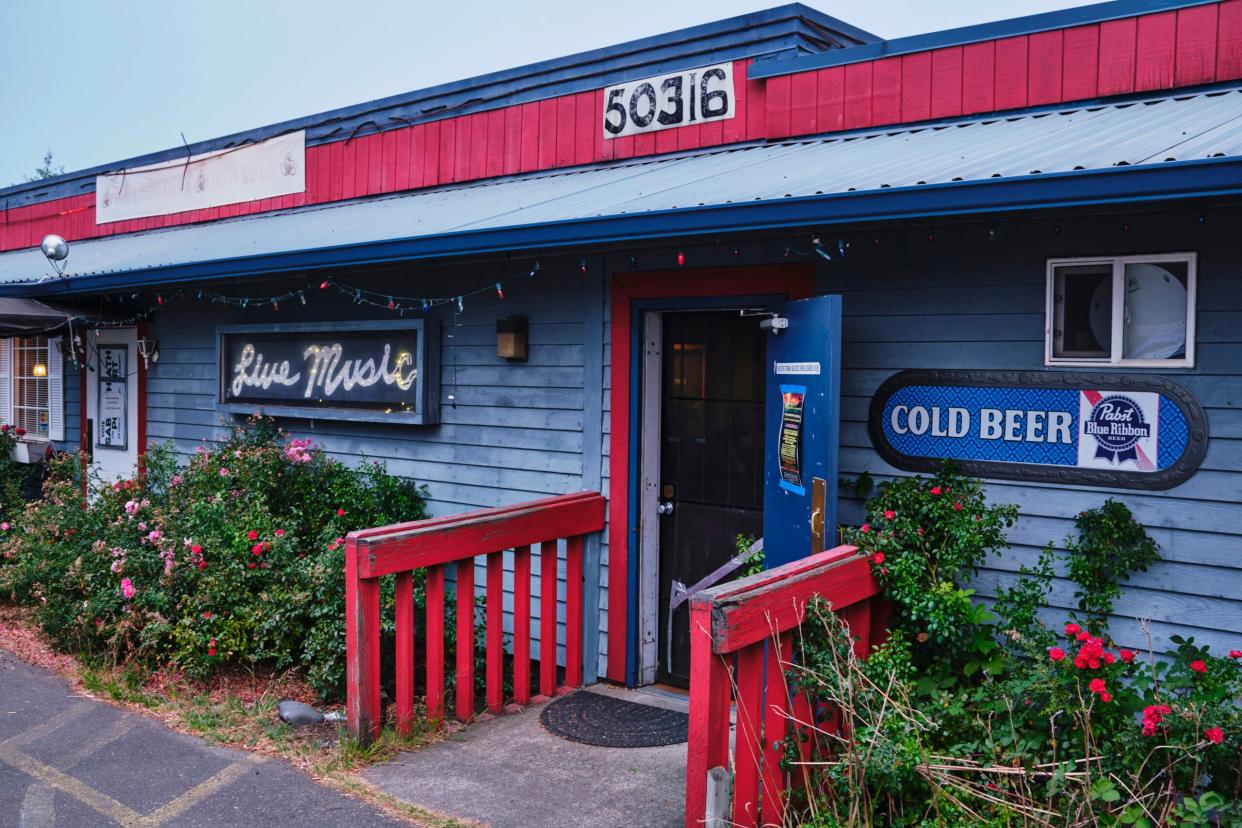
[[1128, 430]]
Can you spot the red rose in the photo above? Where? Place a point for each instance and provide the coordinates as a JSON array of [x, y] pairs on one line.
[[1214, 735], [957, 507], [1056, 654], [340, 513], [1127, 656], [1235, 653], [1072, 629], [280, 533], [207, 615], [196, 549], [250, 565], [252, 535], [211, 651], [1083, 636], [4, 429], [920, 531], [202, 564], [889, 514], [865, 528], [878, 557], [257, 549], [935, 490], [1106, 697], [1198, 666], [1097, 686], [19, 431], [1109, 658]]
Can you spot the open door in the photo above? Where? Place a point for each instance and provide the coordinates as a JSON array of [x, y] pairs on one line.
[[802, 415]]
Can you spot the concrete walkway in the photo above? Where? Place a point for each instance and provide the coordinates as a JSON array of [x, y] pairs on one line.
[[66, 760], [511, 773]]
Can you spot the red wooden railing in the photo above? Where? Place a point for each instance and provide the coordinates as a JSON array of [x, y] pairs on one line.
[[435, 544], [732, 628]]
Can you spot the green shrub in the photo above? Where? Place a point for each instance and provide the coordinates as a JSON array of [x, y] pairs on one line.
[[983, 716], [235, 557], [14, 476]]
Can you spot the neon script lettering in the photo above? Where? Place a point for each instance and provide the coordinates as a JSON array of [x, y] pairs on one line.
[[326, 372]]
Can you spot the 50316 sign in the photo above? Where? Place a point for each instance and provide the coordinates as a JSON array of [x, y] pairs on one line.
[[679, 99]]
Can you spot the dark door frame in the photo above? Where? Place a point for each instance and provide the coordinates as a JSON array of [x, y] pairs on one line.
[[633, 293]]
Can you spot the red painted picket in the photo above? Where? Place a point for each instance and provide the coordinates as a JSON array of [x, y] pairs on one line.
[[741, 641], [433, 545]]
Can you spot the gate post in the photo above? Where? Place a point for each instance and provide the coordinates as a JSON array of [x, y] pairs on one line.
[[362, 650]]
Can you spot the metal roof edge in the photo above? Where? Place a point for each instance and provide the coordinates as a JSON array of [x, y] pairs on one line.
[[785, 29], [1168, 181], [1028, 24]]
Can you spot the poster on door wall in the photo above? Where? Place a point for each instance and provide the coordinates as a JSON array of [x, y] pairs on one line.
[[792, 399], [113, 398], [1127, 430]]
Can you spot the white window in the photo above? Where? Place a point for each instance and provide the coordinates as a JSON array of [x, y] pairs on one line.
[[1125, 311], [32, 386]]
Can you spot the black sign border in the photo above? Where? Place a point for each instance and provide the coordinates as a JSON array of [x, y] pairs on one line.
[[1181, 470], [427, 397]]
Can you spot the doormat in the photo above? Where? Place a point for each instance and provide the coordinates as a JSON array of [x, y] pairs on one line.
[[596, 719]]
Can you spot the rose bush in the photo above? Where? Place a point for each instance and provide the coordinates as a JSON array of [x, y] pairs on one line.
[[233, 557], [982, 715]]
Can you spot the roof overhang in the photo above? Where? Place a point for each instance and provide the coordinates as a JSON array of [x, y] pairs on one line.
[[1166, 149], [1205, 179]]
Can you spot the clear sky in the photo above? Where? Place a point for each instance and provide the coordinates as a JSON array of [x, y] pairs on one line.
[[97, 81]]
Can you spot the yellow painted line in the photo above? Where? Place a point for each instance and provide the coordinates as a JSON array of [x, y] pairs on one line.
[[200, 792], [101, 740], [37, 732], [79, 790]]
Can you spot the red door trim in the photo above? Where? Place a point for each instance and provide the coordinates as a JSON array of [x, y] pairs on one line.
[[794, 281]]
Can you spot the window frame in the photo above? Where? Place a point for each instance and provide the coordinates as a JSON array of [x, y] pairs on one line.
[[15, 378], [1117, 345]]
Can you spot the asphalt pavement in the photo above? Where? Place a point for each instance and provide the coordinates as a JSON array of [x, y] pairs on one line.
[[68, 760]]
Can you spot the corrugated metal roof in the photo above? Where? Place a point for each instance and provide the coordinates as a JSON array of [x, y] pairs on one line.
[[1136, 134], [789, 29]]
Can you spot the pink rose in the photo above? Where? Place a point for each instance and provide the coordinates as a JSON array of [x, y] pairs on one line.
[[128, 589]]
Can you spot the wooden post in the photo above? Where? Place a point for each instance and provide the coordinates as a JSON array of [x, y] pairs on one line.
[[495, 632], [718, 796], [775, 727], [748, 744], [465, 639], [707, 745], [521, 625], [435, 644], [362, 655], [573, 611], [405, 652], [547, 618]]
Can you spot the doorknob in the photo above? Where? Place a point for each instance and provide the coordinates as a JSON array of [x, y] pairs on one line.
[[665, 508]]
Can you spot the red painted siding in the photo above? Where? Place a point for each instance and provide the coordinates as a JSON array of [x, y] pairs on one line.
[[1183, 47]]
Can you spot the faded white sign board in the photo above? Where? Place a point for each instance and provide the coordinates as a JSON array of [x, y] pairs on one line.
[[271, 168]]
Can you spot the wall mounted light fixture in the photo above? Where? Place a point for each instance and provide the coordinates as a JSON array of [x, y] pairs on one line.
[[512, 335]]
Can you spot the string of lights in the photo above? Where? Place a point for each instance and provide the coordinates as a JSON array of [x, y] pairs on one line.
[[400, 304]]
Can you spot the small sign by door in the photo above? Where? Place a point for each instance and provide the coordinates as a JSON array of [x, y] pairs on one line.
[[113, 416], [112, 406]]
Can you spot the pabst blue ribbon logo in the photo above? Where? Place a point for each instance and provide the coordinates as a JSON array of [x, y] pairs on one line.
[[1117, 424]]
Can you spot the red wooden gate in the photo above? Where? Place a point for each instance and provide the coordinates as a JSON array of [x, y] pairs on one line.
[[732, 628], [434, 544]]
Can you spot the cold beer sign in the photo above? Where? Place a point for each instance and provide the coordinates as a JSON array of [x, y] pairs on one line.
[[1136, 431]]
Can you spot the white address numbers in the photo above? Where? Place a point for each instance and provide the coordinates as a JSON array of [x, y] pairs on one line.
[[668, 101]]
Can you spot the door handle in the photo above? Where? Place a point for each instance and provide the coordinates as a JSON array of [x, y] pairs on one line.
[[665, 508]]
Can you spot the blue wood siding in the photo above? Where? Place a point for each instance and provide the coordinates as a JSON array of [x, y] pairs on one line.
[[962, 301], [509, 432]]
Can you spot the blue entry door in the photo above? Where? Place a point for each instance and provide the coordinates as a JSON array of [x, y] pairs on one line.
[[802, 413]]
